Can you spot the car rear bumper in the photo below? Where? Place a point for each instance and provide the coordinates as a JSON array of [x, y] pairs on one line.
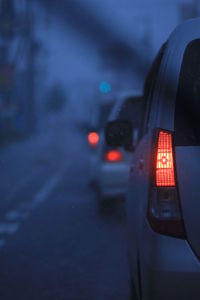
[[113, 179], [169, 268]]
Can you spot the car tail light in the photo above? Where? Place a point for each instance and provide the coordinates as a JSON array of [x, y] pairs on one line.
[[164, 160], [164, 210], [113, 156], [93, 139]]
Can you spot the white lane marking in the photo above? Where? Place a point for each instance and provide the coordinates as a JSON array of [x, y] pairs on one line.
[[43, 194], [14, 215], [2, 243], [9, 228]]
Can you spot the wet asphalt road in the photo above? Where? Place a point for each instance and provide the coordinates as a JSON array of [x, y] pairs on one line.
[[54, 243]]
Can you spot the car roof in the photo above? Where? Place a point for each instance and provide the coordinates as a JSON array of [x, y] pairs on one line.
[[189, 28], [164, 96], [121, 98]]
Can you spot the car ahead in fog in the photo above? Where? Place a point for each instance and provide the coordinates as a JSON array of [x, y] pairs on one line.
[[163, 199], [94, 140], [112, 169]]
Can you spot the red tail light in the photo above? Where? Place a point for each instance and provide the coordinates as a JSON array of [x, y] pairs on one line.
[[164, 209], [113, 156], [164, 160], [93, 139]]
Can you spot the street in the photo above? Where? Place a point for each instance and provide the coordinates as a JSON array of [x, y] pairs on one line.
[[54, 243]]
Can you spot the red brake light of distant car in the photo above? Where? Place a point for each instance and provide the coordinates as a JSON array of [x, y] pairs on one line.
[[164, 208], [93, 139], [113, 156], [164, 160]]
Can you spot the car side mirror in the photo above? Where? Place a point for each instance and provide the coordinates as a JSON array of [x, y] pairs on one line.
[[119, 134]]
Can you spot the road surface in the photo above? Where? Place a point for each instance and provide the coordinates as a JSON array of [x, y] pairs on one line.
[[54, 243]]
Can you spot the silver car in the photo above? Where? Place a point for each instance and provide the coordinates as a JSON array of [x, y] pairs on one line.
[[113, 164], [163, 199]]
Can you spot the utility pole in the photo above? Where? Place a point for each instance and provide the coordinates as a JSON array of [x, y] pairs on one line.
[[7, 110], [196, 7], [31, 117]]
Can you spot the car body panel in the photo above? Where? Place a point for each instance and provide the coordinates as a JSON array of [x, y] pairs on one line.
[[136, 203], [168, 266], [188, 177], [113, 179], [165, 267]]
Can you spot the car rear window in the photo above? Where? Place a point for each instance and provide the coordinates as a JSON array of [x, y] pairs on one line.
[[132, 110], [187, 111]]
